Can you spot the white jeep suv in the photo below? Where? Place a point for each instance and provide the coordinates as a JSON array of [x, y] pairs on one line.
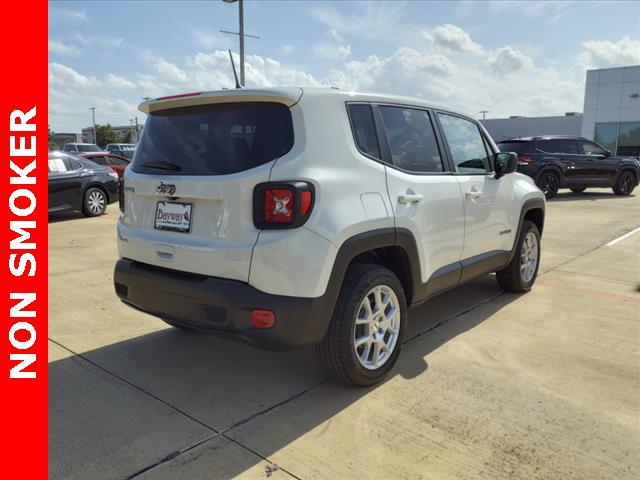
[[290, 217]]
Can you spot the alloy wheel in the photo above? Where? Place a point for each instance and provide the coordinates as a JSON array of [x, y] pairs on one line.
[[377, 327], [528, 257], [96, 202]]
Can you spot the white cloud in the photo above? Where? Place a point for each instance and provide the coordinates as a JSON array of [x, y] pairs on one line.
[[506, 61], [62, 75], [453, 39], [371, 20], [208, 39], [117, 81], [61, 48], [60, 15], [100, 41], [330, 51], [603, 53], [287, 49], [549, 11]]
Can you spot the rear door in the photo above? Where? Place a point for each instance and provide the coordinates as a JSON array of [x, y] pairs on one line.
[[188, 192], [425, 197], [64, 183], [488, 201]]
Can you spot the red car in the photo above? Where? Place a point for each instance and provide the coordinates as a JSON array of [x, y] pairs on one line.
[[116, 162]]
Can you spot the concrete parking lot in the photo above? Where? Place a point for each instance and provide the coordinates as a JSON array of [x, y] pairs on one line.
[[489, 385]]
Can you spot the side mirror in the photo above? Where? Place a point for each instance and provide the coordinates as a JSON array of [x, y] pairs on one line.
[[506, 162]]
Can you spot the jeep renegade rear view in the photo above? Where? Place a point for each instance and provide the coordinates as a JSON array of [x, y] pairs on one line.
[[291, 217]]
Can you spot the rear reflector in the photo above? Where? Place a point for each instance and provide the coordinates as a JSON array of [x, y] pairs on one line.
[[192, 94], [263, 318], [525, 159]]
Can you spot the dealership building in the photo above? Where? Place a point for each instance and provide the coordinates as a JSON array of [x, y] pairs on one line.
[[611, 114]]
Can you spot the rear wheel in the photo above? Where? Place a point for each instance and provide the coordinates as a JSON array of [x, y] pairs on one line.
[[520, 274], [625, 183], [365, 335], [94, 203], [549, 183], [578, 190]]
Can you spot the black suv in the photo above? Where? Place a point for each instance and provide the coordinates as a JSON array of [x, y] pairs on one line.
[[556, 162]]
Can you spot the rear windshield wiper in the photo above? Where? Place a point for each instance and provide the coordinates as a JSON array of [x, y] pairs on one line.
[[163, 166]]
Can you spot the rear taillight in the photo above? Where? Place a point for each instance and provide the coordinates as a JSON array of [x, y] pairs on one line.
[[282, 204], [525, 160]]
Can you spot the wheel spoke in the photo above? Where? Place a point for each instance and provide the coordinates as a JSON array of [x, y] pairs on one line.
[[362, 340]]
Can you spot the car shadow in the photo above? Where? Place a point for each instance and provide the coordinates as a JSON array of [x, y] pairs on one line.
[[68, 215], [586, 195], [217, 383]]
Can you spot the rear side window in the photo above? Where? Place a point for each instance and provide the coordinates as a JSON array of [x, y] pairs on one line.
[[517, 147], [213, 139], [364, 129], [412, 140], [466, 144], [99, 160], [558, 146]]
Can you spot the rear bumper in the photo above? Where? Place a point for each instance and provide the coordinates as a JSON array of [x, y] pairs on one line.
[[113, 188], [221, 306]]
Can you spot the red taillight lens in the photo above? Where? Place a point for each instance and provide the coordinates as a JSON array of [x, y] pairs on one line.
[[524, 159], [305, 202], [278, 205], [263, 318], [282, 204]]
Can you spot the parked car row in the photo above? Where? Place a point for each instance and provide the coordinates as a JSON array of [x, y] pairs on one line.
[[555, 162]]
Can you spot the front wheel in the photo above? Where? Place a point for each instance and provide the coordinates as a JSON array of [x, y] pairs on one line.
[[520, 274], [549, 183], [625, 183], [94, 203], [365, 335]]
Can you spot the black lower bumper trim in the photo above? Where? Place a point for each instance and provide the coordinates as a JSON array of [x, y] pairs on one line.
[[221, 306]]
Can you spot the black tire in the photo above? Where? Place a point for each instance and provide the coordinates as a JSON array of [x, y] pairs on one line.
[[337, 351], [625, 183], [511, 278], [94, 202], [578, 190], [177, 325], [549, 183]]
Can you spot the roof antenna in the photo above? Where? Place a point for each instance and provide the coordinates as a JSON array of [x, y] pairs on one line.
[[233, 65]]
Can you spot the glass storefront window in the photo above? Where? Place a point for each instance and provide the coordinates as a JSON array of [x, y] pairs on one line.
[[619, 138], [607, 135]]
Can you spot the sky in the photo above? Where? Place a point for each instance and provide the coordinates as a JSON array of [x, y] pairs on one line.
[[510, 58]]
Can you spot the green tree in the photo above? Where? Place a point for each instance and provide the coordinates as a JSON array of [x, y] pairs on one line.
[[105, 135], [125, 137], [52, 140]]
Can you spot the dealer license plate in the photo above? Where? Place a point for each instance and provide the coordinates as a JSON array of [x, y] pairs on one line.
[[173, 216]]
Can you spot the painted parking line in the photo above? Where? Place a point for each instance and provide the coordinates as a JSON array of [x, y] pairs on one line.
[[622, 237]]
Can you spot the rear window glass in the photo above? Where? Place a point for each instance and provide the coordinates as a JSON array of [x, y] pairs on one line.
[[364, 129], [213, 139], [517, 147]]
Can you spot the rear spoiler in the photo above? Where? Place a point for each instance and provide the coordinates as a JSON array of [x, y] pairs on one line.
[[286, 96]]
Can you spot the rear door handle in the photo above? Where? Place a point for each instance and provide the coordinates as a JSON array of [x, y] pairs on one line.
[[410, 198]]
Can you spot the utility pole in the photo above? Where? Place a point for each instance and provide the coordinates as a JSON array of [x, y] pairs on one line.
[[95, 132], [484, 113], [131, 122], [137, 131], [241, 34]]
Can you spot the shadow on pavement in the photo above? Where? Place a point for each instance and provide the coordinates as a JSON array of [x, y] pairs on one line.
[[211, 385], [569, 196]]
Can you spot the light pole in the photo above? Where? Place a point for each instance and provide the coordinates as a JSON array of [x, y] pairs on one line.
[[241, 34], [484, 113], [95, 132]]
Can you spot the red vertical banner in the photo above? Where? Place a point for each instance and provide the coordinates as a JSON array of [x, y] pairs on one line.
[[24, 139]]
